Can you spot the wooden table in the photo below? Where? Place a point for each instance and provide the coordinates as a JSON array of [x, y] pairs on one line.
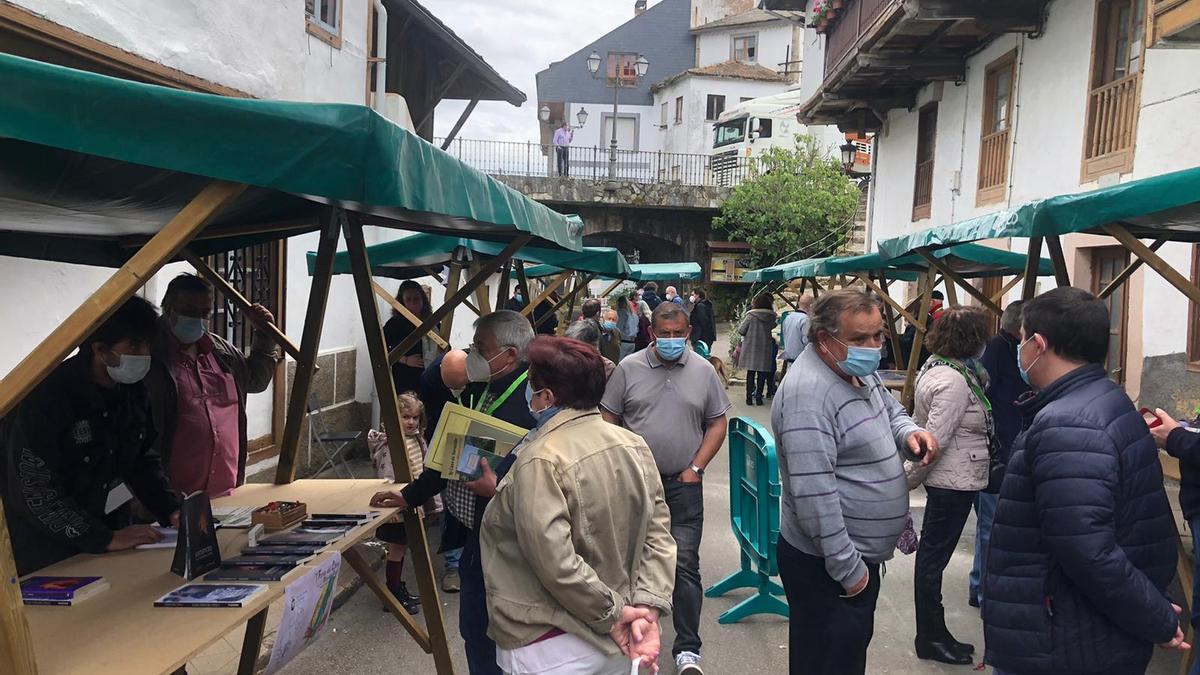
[[121, 631]]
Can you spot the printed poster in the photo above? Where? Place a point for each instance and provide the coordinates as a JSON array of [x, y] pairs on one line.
[[307, 604]]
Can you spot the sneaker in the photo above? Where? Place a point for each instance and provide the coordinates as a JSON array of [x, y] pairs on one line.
[[688, 663], [451, 583]]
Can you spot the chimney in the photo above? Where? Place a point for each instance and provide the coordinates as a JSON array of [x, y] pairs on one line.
[[638, 7]]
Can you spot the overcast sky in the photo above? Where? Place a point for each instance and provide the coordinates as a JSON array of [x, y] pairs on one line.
[[519, 38]]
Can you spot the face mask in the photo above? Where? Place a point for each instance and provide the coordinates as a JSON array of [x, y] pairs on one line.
[[189, 329], [693, 298], [859, 361], [1025, 371], [131, 369], [539, 416], [670, 349], [457, 393], [479, 369], [609, 325], [520, 297]]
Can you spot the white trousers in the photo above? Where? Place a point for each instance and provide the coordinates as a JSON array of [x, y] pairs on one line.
[[560, 655]]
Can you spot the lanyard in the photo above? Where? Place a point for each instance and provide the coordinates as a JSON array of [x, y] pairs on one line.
[[502, 397]]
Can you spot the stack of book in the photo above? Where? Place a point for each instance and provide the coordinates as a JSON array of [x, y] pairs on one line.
[[60, 590], [211, 595], [281, 552]]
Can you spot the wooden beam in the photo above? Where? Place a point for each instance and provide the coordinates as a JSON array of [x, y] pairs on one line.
[[242, 303], [389, 415], [462, 119], [252, 642], [889, 304], [1128, 271], [1061, 275], [816, 288], [481, 294], [562, 301], [310, 342], [503, 288], [452, 283], [611, 287], [1152, 259], [16, 643], [519, 265], [779, 293], [914, 357], [119, 287], [558, 281], [997, 298], [441, 93], [951, 295], [406, 313], [1034, 256], [888, 299], [452, 301], [954, 278]]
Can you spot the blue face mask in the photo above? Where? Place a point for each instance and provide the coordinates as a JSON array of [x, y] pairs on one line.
[[520, 297], [859, 361], [189, 329], [670, 349], [609, 325], [1022, 369], [539, 416]]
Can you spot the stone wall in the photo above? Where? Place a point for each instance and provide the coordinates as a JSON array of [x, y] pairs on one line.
[[630, 194], [1168, 384]]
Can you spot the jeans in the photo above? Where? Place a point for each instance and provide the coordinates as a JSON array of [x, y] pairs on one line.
[[473, 612], [561, 153], [946, 512], [985, 512], [827, 634], [685, 501], [451, 558], [756, 381]]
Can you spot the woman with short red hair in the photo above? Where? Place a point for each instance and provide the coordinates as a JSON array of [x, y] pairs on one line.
[[577, 551]]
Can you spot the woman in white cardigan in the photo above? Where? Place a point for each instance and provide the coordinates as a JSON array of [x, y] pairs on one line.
[[951, 405]]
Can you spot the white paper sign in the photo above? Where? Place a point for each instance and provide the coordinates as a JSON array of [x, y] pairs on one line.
[[307, 604]]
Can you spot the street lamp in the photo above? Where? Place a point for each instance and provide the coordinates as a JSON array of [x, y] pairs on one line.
[[544, 113], [593, 62], [849, 150], [641, 65], [582, 116]]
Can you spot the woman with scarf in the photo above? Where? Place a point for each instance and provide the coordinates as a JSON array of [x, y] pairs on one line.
[[951, 405]]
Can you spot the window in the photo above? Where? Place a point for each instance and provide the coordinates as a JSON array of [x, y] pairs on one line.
[[662, 121], [926, 138], [729, 132], [679, 110], [745, 48], [1193, 349], [994, 137], [716, 106], [1115, 88], [323, 19], [622, 69], [1107, 263], [764, 127]]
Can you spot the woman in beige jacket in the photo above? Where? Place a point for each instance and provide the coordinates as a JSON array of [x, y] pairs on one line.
[[951, 405]]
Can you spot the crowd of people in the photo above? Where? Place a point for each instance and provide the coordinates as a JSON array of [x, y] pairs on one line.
[[571, 552]]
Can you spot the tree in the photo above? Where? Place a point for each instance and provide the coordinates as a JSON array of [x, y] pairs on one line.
[[800, 204]]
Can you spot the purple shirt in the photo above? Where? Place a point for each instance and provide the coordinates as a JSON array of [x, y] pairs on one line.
[[562, 137]]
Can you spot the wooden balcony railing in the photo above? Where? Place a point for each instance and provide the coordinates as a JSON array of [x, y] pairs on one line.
[[852, 22], [1112, 126], [993, 167], [923, 190]]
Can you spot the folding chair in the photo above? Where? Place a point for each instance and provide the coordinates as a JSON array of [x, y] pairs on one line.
[[332, 443]]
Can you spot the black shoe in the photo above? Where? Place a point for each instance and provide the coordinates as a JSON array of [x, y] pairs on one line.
[[759, 401], [943, 652], [961, 647], [973, 600], [410, 602]]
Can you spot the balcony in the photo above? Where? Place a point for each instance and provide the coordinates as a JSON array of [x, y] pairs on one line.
[[1111, 127], [1177, 23], [879, 53]]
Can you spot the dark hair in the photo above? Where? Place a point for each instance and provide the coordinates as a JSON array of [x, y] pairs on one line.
[[185, 283], [1010, 321], [136, 321], [763, 301], [410, 285], [937, 295], [699, 292], [650, 286], [1073, 322], [959, 333], [667, 311], [826, 314], [573, 370], [591, 308]]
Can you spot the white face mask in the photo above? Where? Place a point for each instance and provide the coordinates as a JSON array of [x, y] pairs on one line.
[[479, 369], [130, 369]]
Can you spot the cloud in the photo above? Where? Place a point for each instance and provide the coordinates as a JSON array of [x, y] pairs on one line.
[[519, 38]]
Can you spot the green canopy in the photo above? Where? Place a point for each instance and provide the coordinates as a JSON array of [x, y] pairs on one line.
[[1166, 206], [968, 260], [665, 271], [412, 256], [106, 162], [796, 269]]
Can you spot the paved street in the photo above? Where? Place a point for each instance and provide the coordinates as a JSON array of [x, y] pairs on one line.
[[365, 640]]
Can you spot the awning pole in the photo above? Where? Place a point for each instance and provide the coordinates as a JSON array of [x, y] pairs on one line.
[[1062, 275], [888, 305], [481, 294], [519, 265], [389, 412], [914, 357], [406, 313], [887, 298], [452, 301], [816, 287], [504, 287], [1032, 263], [242, 303], [562, 301], [1128, 271], [558, 281], [1152, 259], [951, 295], [452, 283], [16, 642], [954, 278], [580, 284], [119, 287], [310, 342], [611, 288], [999, 297]]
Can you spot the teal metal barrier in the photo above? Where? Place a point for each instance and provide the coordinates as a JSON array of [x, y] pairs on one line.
[[754, 490]]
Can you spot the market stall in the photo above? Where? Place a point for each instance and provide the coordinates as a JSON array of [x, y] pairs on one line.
[[102, 171]]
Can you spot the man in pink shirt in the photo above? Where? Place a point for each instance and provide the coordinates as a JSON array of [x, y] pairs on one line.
[[562, 147], [198, 385]]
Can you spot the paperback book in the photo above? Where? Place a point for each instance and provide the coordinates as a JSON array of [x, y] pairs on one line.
[[211, 595], [282, 550], [302, 536], [266, 560], [248, 573], [64, 591], [197, 551]]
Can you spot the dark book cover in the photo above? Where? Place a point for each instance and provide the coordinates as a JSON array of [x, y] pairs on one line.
[[210, 595], [301, 536], [331, 523], [283, 550], [57, 588], [197, 551], [358, 517], [248, 573], [266, 560]]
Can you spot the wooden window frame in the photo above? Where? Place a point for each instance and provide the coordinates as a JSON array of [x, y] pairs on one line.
[[1119, 161], [665, 115], [678, 110], [995, 144], [1172, 16], [1123, 291], [1193, 335], [708, 106], [733, 39], [922, 211], [320, 30]]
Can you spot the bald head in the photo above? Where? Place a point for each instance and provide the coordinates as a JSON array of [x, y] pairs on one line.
[[804, 302], [454, 369]]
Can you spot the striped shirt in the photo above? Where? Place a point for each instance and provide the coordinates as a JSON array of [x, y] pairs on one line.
[[845, 497]]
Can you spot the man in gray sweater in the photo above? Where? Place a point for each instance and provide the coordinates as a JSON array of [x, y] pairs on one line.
[[840, 435]]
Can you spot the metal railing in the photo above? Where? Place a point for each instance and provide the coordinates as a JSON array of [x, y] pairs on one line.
[[508, 158]]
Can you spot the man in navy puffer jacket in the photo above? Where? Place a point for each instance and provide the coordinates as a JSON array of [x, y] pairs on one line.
[[1083, 544]]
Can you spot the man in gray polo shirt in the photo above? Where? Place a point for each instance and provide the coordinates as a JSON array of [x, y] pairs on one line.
[[674, 400]]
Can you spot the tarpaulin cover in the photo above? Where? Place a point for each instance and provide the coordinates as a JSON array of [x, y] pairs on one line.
[[665, 271], [1166, 206], [785, 271], [968, 260], [413, 256], [111, 160]]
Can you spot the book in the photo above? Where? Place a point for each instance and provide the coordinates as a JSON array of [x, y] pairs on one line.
[[458, 422], [326, 524], [266, 560], [196, 551], [302, 536], [60, 590], [356, 517], [211, 595], [282, 550], [475, 448], [236, 517], [170, 539], [248, 573]]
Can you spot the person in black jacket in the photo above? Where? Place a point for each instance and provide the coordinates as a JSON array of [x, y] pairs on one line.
[[1083, 543], [704, 325], [650, 295], [1183, 443], [80, 447], [1005, 386]]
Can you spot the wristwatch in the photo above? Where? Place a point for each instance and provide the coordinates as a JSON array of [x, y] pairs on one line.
[[697, 470]]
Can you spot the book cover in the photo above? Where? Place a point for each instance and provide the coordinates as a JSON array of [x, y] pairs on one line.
[[458, 422], [266, 560], [328, 523], [248, 573], [197, 551], [60, 590], [301, 536], [282, 550], [210, 595], [356, 517]]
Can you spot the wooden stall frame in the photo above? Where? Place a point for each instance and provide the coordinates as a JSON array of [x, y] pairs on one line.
[[502, 289], [541, 297], [914, 356], [406, 313], [563, 300], [1032, 260], [955, 279]]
